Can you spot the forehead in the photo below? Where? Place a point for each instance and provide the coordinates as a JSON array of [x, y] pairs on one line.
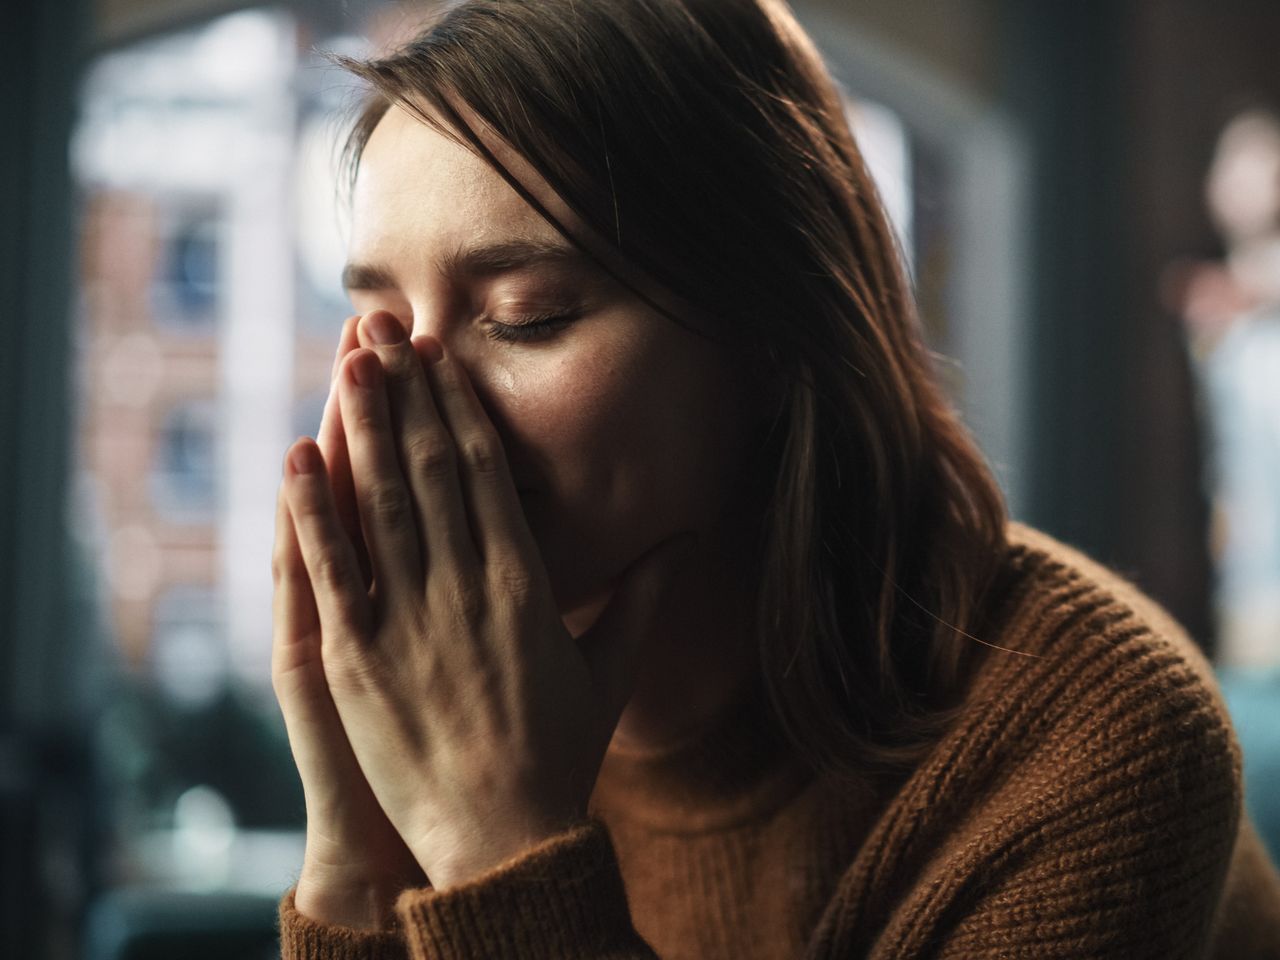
[[418, 193], [415, 187]]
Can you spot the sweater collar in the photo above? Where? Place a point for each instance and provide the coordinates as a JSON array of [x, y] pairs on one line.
[[737, 769]]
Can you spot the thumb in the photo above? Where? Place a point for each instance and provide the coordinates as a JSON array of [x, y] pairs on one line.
[[613, 644]]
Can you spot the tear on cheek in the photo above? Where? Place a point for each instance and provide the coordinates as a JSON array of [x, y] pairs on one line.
[[503, 380]]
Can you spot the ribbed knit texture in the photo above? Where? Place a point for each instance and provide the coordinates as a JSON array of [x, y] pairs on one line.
[[1087, 803], [565, 899], [301, 937]]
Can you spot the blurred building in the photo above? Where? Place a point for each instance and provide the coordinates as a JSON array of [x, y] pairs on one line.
[[207, 313]]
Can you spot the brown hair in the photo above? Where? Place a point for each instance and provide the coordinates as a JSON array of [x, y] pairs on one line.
[[706, 140]]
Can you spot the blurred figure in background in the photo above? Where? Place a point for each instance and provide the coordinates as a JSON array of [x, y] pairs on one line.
[[1232, 311]]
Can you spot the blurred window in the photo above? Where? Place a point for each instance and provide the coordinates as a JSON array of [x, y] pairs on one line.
[[184, 294], [184, 477], [887, 151], [209, 305], [187, 653]]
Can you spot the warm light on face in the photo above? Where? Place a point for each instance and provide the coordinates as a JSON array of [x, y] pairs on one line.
[[622, 427]]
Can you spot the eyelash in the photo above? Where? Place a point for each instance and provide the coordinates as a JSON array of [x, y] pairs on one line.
[[528, 328]]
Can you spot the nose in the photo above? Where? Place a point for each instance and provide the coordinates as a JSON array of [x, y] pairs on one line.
[[487, 374]]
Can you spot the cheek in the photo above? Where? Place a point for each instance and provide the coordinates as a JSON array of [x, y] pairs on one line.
[[626, 440], [632, 437], [573, 423], [571, 412]]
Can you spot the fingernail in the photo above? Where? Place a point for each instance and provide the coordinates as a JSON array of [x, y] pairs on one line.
[[383, 328], [365, 369], [431, 349], [338, 353], [303, 459]]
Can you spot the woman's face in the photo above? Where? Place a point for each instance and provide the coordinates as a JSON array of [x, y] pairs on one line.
[[621, 427]]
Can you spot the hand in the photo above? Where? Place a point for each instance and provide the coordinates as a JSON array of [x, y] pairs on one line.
[[355, 863], [477, 719]]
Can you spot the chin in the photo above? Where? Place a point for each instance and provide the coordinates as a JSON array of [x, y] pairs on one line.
[[580, 594], [580, 617], [584, 554]]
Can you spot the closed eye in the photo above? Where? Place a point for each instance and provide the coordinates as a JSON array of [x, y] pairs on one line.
[[529, 328]]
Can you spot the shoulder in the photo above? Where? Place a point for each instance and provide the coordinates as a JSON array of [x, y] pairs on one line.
[[1082, 648], [1090, 777], [1065, 610], [1048, 564]]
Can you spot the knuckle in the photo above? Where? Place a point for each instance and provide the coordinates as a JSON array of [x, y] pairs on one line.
[[511, 580], [446, 377], [388, 503], [285, 674], [482, 453], [368, 419], [346, 670], [466, 596], [329, 569], [429, 457], [449, 385], [283, 566], [399, 363], [280, 567]]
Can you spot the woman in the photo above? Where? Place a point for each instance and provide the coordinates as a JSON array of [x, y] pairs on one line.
[[643, 596]]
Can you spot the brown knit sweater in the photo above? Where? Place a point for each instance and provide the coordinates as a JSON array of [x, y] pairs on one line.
[[1086, 804]]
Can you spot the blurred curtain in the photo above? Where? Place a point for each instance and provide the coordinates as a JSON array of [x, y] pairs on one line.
[[1116, 456], [43, 801]]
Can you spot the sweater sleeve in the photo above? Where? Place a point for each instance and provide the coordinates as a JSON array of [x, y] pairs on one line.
[[304, 939], [1110, 840], [562, 899]]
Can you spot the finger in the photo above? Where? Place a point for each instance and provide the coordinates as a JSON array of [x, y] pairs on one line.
[[497, 517], [348, 340], [333, 446], [424, 446], [332, 441], [296, 624], [297, 670], [330, 561], [317, 738], [387, 514]]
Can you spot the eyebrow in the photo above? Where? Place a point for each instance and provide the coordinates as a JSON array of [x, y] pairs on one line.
[[474, 261]]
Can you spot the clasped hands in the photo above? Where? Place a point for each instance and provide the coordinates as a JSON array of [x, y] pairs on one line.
[[442, 717]]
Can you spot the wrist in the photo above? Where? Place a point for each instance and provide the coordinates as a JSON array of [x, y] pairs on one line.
[[466, 864], [346, 896]]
